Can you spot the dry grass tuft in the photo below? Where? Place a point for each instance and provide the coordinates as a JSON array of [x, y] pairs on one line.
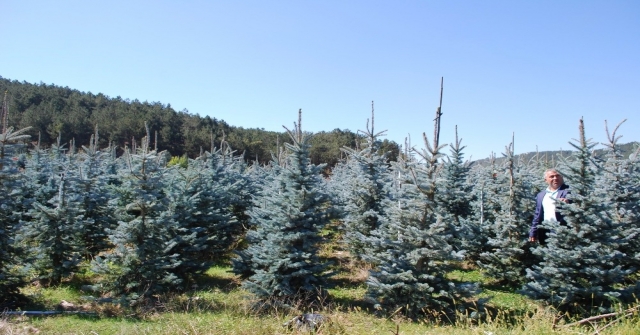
[[17, 327]]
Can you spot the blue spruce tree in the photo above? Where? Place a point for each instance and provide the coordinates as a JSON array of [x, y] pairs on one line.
[[97, 173], [486, 206], [363, 182], [11, 207], [582, 268], [206, 197], [143, 260], [53, 228], [619, 184], [288, 215], [411, 250], [264, 181], [455, 198], [507, 258]]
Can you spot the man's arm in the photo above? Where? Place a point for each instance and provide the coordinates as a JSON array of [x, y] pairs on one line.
[[563, 196], [537, 218]]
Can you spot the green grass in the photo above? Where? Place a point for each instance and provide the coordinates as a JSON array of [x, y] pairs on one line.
[[499, 297], [218, 305], [351, 322]]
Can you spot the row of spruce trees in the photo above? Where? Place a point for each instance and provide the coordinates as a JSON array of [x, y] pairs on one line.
[[145, 224]]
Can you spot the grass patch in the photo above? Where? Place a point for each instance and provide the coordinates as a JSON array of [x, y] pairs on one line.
[[218, 277], [50, 297], [217, 304], [467, 275], [351, 322]]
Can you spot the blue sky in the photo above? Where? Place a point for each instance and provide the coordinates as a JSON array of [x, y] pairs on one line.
[[532, 68]]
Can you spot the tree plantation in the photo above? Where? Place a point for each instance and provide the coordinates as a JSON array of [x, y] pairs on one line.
[[144, 222]]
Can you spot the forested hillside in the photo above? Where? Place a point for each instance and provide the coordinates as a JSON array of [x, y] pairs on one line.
[[54, 111]]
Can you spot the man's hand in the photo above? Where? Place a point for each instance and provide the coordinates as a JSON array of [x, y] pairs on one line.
[[533, 239]]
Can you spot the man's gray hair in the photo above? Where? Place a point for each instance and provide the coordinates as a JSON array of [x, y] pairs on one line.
[[551, 170]]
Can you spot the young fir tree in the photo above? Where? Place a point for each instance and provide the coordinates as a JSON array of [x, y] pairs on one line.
[[508, 256], [485, 206], [411, 250], [54, 227], [583, 267], [11, 207], [233, 174], [363, 182], [289, 212], [40, 172], [262, 178], [204, 196], [189, 206], [619, 184], [336, 186], [142, 261], [264, 182], [96, 174], [489, 187], [454, 196]]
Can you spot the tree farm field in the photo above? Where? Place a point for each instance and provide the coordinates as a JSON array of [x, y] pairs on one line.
[[218, 305], [92, 242]]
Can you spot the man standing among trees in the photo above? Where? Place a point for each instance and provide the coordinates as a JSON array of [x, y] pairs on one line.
[[546, 204]]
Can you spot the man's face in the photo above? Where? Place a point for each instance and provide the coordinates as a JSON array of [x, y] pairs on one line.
[[554, 179]]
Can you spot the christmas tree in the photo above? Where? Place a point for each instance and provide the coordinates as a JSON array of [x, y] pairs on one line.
[[508, 255], [289, 212], [97, 173], [619, 184], [53, 227], [143, 260], [207, 200], [11, 207], [455, 197], [583, 267], [363, 183], [410, 249]]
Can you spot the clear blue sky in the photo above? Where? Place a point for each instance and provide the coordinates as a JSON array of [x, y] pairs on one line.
[[532, 68]]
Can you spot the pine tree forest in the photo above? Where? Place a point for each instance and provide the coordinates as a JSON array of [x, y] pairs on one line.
[[146, 222]]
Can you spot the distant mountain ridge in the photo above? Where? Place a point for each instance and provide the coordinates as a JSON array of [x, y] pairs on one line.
[[627, 149]]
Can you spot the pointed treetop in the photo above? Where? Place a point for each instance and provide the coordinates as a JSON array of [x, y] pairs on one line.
[[372, 116], [436, 135], [300, 123], [296, 134], [612, 138], [370, 133], [583, 140]]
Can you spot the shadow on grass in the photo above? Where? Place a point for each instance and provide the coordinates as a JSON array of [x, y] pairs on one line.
[[500, 286], [466, 273], [344, 282], [349, 303], [41, 297], [34, 305], [347, 293], [76, 291], [213, 281]]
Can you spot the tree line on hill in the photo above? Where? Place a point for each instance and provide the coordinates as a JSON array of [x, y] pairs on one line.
[[53, 111]]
